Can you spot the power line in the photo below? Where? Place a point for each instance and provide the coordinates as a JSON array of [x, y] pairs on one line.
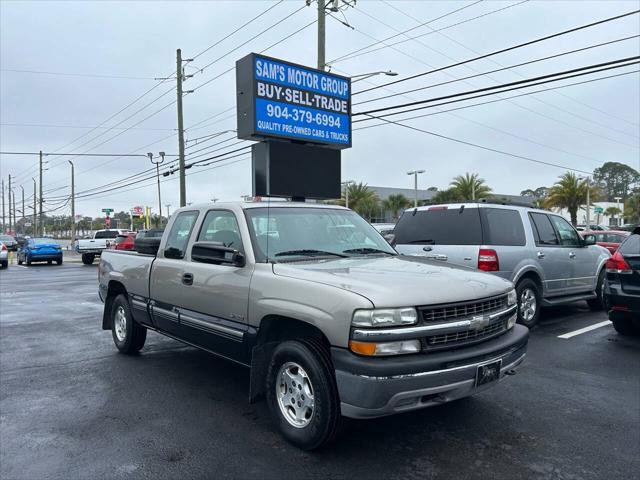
[[377, 42], [483, 147], [66, 74], [547, 78], [466, 47], [496, 52], [77, 154], [45, 125]]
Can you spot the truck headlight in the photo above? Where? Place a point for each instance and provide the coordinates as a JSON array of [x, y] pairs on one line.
[[371, 349], [385, 317], [512, 297]]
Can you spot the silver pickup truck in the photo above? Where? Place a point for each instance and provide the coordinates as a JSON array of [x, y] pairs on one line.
[[330, 319]]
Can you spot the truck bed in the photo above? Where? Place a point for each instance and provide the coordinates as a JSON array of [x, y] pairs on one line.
[[132, 269]]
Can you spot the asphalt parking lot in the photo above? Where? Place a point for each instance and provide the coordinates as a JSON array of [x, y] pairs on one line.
[[72, 407]]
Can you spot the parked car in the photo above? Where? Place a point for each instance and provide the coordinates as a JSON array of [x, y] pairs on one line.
[[93, 247], [384, 228], [540, 252], [126, 241], [10, 242], [150, 233], [40, 250], [594, 227], [331, 321], [610, 239], [622, 286], [4, 255]]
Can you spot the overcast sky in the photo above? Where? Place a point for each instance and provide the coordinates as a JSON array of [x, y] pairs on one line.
[[579, 127]]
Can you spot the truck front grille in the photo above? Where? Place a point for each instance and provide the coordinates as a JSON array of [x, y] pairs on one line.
[[465, 337], [459, 311]]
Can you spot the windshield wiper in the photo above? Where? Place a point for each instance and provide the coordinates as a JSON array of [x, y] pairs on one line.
[[428, 241], [308, 252], [366, 250]]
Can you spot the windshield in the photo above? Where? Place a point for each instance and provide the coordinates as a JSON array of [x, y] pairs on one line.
[[107, 234], [6, 238], [285, 233]]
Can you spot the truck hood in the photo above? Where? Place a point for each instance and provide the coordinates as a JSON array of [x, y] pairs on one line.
[[398, 281]]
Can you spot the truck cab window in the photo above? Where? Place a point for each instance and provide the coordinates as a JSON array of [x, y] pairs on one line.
[[180, 233], [221, 226]]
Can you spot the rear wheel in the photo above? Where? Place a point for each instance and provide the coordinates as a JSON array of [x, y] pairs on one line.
[[301, 393], [598, 303], [88, 258], [5, 264], [626, 326], [128, 335], [528, 302]]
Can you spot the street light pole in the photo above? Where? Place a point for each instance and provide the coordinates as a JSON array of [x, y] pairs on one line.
[[346, 191], [168, 205], [415, 185], [22, 188], [157, 164], [617, 199], [364, 76], [34, 226]]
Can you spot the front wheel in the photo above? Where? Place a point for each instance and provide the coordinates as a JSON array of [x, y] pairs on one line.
[[128, 335], [528, 302], [59, 262], [301, 393]]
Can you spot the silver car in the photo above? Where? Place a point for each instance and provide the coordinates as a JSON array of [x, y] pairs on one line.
[[540, 252]]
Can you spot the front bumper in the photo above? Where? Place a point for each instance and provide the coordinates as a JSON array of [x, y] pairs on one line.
[[375, 387]]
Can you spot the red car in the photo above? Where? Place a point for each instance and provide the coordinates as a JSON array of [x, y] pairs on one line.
[[609, 239], [124, 242]]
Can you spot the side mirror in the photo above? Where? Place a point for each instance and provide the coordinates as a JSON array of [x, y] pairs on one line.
[[589, 240], [173, 252], [217, 254], [390, 238]]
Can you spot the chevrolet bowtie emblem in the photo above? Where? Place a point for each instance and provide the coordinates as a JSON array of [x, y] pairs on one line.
[[479, 322]]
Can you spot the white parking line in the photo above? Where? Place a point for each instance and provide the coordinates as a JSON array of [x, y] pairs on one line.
[[585, 329]]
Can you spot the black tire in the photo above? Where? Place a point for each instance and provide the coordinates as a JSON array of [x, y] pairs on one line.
[[88, 258], [5, 264], [324, 420], [28, 261], [598, 303], [626, 327], [59, 262], [130, 336], [19, 261], [524, 287], [49, 262]]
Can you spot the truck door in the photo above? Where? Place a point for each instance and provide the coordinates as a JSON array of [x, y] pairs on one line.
[[168, 274]]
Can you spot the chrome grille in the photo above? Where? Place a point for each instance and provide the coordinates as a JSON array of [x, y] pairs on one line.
[[466, 336], [459, 311]]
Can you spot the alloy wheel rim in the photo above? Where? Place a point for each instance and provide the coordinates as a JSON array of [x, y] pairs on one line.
[[120, 322], [528, 304], [295, 395]]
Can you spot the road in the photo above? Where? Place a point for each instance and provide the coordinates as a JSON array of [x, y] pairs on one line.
[[72, 407]]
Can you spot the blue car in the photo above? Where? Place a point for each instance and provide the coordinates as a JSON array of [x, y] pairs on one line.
[[40, 250]]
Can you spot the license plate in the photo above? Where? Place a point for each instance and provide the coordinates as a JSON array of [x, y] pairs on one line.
[[487, 373]]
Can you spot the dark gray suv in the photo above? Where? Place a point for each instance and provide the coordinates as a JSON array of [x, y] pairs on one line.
[[540, 252]]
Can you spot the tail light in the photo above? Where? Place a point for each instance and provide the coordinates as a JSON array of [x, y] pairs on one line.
[[617, 264], [4, 248], [488, 260]]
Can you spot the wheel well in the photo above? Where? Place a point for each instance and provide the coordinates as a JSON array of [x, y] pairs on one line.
[[533, 276], [115, 288], [277, 328]]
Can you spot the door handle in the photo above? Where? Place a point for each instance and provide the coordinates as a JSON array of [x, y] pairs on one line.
[[187, 278], [427, 249], [572, 255], [540, 255]]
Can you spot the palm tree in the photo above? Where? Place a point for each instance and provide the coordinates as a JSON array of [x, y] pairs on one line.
[[632, 208], [470, 186], [446, 196], [362, 199], [569, 192], [395, 203]]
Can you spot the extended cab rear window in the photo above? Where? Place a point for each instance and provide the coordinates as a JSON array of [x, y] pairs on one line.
[[107, 234], [440, 226], [502, 227]]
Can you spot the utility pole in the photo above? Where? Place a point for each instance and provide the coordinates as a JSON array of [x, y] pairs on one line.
[[41, 221], [157, 164], [73, 202], [10, 225], [588, 204], [34, 224], [3, 212], [168, 205], [15, 224], [321, 34], [179, 78], [22, 209]]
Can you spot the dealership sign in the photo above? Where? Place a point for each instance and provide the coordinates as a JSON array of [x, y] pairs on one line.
[[137, 211], [282, 100]]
